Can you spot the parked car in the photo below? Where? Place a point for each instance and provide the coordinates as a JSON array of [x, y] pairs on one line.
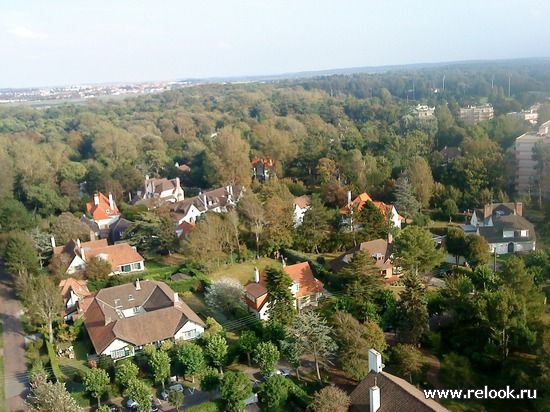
[[283, 372], [178, 387], [114, 408], [131, 403]]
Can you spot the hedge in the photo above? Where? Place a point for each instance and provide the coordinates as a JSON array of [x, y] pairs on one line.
[[53, 362], [212, 406]]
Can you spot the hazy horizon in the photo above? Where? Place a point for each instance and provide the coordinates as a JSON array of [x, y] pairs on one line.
[[55, 43]]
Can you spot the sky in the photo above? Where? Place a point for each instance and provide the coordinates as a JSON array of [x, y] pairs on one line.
[[66, 42]]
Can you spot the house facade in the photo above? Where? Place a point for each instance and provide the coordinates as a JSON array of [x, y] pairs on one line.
[[155, 192], [122, 257], [504, 228], [74, 293], [301, 206], [305, 289], [476, 114], [122, 319]]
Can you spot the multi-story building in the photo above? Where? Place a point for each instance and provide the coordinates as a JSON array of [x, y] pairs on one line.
[[530, 115], [476, 114], [526, 172], [423, 112]]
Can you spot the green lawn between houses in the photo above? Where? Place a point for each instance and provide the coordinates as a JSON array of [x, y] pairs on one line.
[[243, 271]]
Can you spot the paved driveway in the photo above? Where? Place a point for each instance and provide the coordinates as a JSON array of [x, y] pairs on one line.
[[15, 370]]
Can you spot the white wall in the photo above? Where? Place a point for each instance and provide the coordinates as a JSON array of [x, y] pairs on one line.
[[189, 326]]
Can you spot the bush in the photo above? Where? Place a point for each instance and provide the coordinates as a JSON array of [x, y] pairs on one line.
[[212, 406], [53, 362]]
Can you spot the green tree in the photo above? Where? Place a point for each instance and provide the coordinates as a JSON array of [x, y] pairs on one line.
[[14, 216], [415, 250], [191, 357], [478, 252], [175, 398], [372, 222], [152, 233], [209, 380], [266, 355], [140, 393], [125, 372], [352, 338], [314, 229], [275, 392], [235, 387], [160, 364], [46, 396], [450, 209], [313, 334], [96, 382], [412, 310], [408, 359], [248, 342], [97, 268], [422, 182], [405, 201], [330, 399], [43, 302], [457, 369], [279, 296], [455, 243], [67, 227], [216, 349], [21, 259], [292, 351], [251, 210], [46, 200]]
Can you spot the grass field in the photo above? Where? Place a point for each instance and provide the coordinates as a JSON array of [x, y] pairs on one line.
[[243, 271]]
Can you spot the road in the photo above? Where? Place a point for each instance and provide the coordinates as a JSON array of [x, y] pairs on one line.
[[15, 369]]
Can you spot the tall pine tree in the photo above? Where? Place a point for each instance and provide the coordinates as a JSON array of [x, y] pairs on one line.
[[279, 296]]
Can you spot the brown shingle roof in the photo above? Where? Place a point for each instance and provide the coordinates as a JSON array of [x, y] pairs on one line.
[[163, 318], [79, 287], [117, 255], [373, 247], [302, 202], [396, 395]]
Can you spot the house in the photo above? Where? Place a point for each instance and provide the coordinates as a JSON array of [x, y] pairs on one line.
[[301, 205], [74, 293], [155, 192], [122, 257], [449, 154], [122, 319], [104, 210], [305, 288], [262, 168], [530, 115], [526, 174], [504, 227], [476, 114], [423, 112], [117, 229], [218, 200], [384, 392], [388, 211], [379, 249], [184, 229]]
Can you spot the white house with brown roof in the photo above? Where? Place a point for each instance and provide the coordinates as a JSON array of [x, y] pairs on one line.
[[124, 318], [305, 288], [104, 210], [122, 257], [388, 211], [301, 206], [156, 191], [74, 293]]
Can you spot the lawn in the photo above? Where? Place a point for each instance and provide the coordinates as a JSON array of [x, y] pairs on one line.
[[243, 271], [3, 405]]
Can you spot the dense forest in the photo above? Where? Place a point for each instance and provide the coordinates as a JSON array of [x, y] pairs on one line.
[[328, 135]]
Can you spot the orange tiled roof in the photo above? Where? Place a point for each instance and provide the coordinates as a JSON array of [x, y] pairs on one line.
[[102, 210], [301, 273], [363, 198], [118, 255], [302, 202], [77, 286]]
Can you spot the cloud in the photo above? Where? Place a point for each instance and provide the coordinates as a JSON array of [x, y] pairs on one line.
[[27, 34], [224, 45]]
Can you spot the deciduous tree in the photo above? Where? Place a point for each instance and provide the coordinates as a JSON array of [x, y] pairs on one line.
[[43, 302], [160, 363], [408, 359], [140, 393], [96, 382], [125, 372], [224, 294], [235, 387], [330, 399], [248, 342], [266, 355], [46, 396], [216, 349], [191, 357]]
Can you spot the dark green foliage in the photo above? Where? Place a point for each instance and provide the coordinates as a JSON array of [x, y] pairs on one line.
[[13, 216], [412, 310], [235, 387], [279, 296]]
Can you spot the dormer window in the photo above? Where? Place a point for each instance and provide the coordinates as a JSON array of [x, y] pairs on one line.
[[130, 297], [117, 303], [107, 211]]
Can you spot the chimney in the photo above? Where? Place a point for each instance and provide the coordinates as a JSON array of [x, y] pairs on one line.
[[78, 243], [390, 238], [256, 275], [52, 239], [176, 297], [283, 261], [374, 397], [82, 253], [204, 200], [519, 208], [111, 203], [375, 361], [138, 285], [349, 197], [96, 199], [487, 210]]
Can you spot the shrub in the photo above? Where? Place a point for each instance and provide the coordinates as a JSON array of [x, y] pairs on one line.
[[53, 362]]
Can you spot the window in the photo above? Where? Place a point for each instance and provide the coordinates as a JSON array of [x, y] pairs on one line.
[[126, 268], [130, 297], [507, 233], [136, 266], [524, 233], [191, 334], [117, 303]]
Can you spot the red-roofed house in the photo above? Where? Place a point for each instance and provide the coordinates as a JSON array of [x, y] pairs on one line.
[[305, 288], [301, 205], [388, 211], [122, 257], [74, 293], [262, 168], [104, 210]]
